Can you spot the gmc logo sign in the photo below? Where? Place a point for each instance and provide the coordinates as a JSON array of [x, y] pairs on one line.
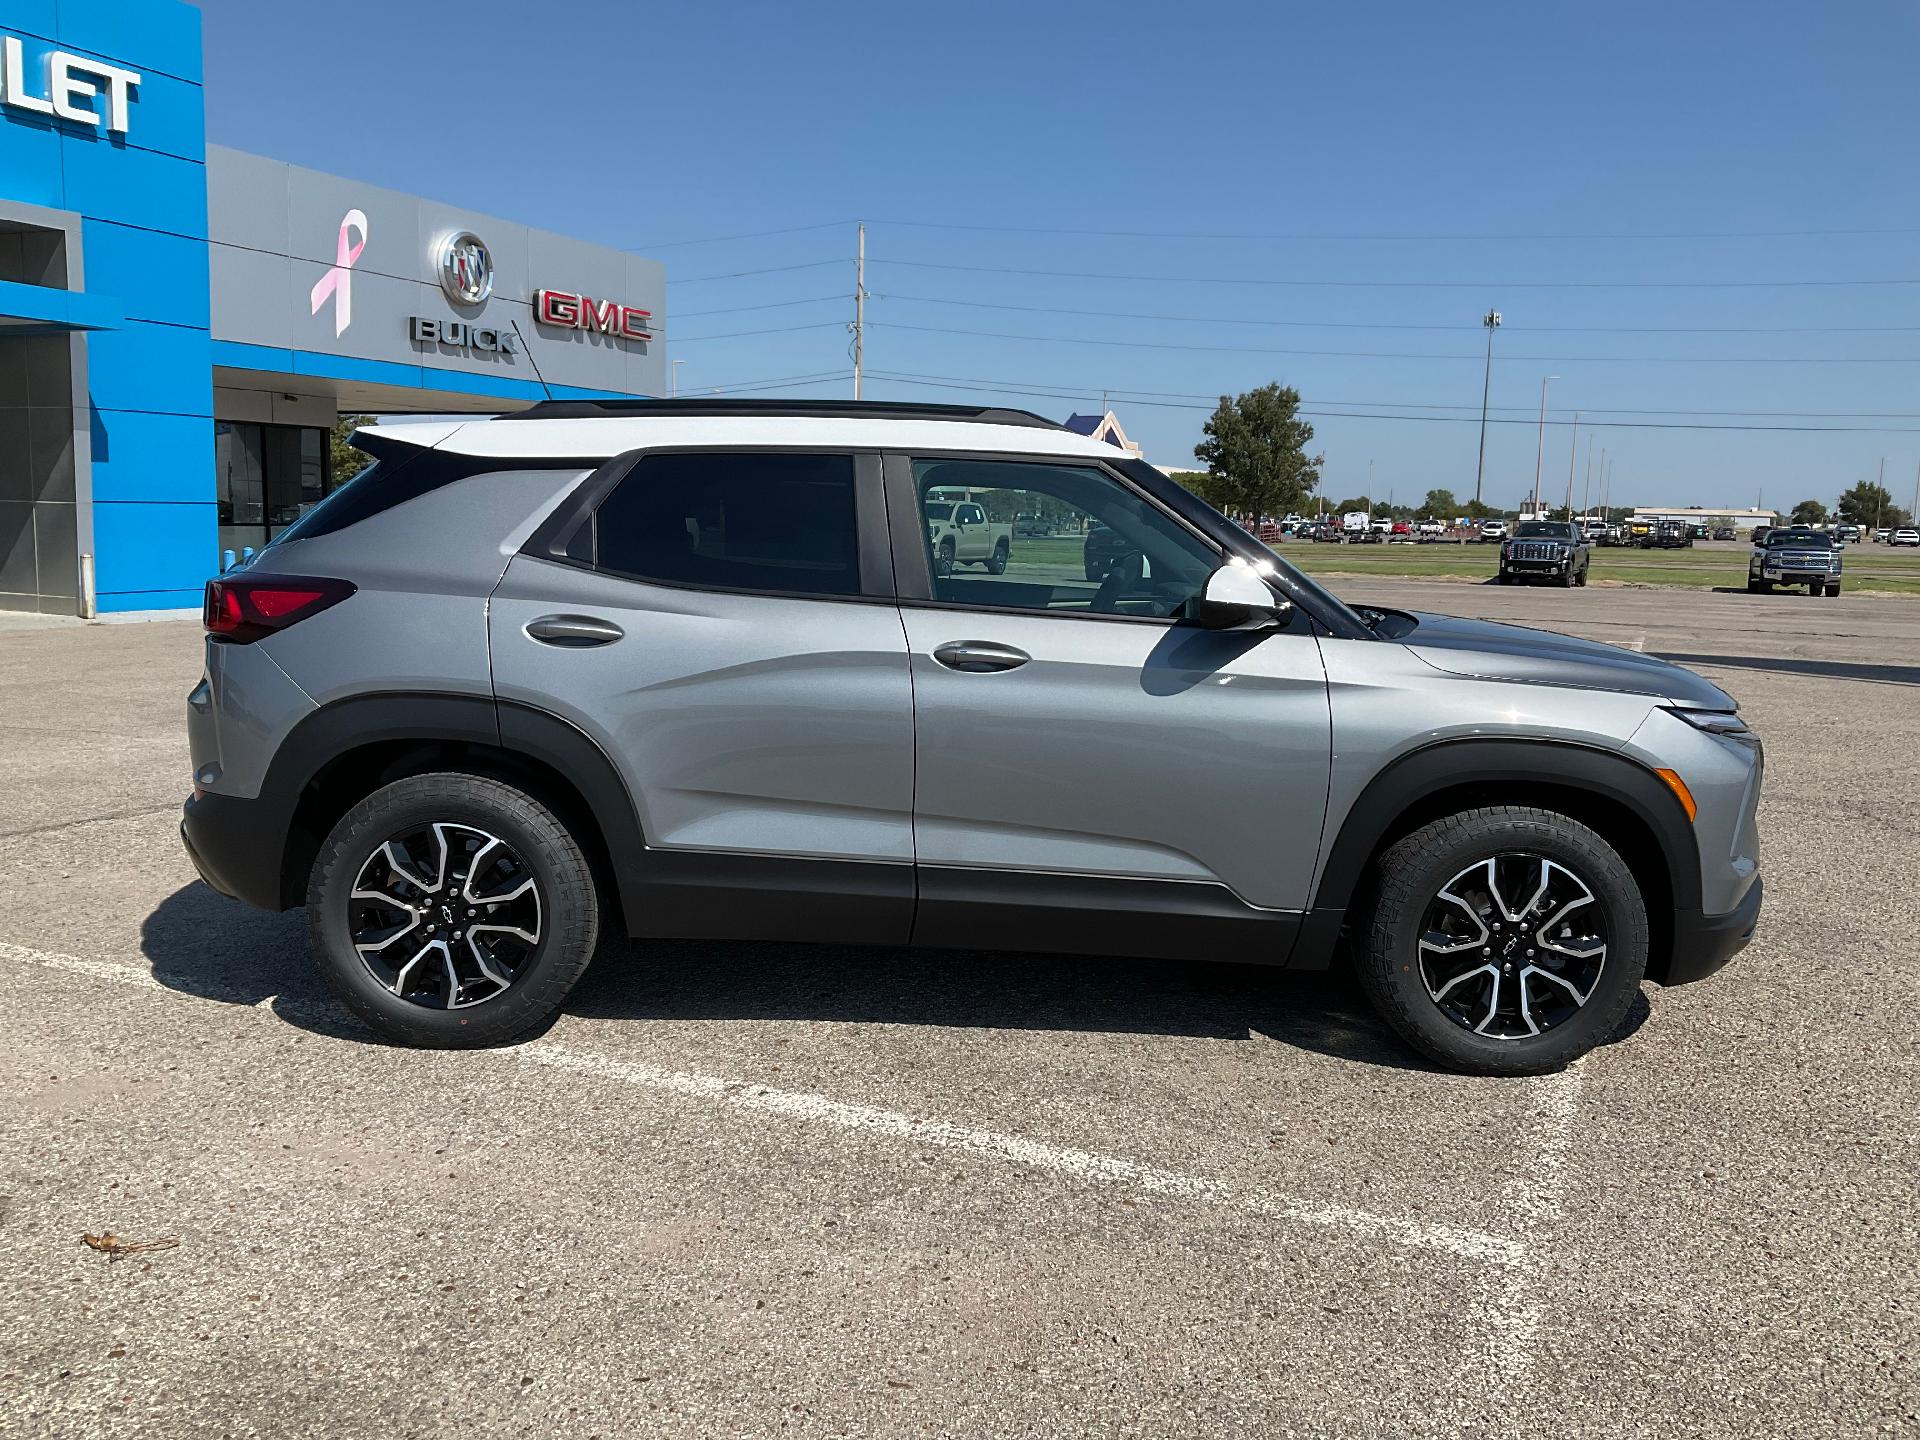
[[579, 312]]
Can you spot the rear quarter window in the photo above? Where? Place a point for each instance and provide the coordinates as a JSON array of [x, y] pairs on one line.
[[747, 521]]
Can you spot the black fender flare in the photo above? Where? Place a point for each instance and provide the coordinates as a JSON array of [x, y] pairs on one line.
[[1419, 779], [338, 729]]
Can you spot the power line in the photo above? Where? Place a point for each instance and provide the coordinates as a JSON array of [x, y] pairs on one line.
[[1386, 236], [782, 382], [776, 330], [765, 270], [770, 305], [744, 235], [1487, 285], [1212, 396], [1383, 325], [1306, 408], [1133, 344]]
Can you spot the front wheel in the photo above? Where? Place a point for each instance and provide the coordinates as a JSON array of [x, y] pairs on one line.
[[451, 911], [1833, 590], [943, 560], [1504, 941]]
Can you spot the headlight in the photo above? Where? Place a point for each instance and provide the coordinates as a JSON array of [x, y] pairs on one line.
[[1714, 722]]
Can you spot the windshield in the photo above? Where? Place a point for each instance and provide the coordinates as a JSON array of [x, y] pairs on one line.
[[1801, 539], [1543, 530]]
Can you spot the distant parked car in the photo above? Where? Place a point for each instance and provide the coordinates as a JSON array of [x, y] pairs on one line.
[[1491, 530], [1725, 532], [1883, 535], [1906, 535]]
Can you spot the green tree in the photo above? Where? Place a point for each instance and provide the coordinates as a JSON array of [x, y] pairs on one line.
[[1869, 504], [1256, 453], [1208, 487], [1809, 512], [347, 461], [1440, 504]]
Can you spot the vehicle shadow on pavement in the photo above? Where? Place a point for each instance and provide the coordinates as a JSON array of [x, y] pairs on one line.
[[201, 943]]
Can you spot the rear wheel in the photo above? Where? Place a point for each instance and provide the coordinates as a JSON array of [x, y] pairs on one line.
[[1504, 941], [997, 565], [451, 911]]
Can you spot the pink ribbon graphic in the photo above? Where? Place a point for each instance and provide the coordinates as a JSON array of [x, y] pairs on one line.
[[338, 281]]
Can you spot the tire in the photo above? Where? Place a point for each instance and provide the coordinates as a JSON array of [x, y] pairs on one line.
[[1833, 591], [943, 560], [1582, 581], [526, 983], [997, 565], [1566, 579], [1759, 587], [1394, 969]]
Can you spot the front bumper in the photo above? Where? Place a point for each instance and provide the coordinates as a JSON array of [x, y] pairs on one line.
[[235, 847], [1704, 943]]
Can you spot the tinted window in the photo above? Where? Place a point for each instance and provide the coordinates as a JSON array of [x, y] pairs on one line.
[[1801, 539], [1543, 530], [735, 522], [1085, 542]]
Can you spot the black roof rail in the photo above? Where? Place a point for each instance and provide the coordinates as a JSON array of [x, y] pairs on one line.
[[825, 409]]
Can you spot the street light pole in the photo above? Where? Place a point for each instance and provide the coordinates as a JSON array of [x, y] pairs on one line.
[[1492, 321], [1573, 456], [1540, 445], [1586, 486], [673, 379]]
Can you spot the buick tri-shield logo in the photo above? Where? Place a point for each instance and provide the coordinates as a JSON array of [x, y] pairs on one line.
[[466, 268]]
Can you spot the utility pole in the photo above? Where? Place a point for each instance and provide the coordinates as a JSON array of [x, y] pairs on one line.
[[1573, 456], [1492, 321], [1586, 486], [1915, 513], [1540, 444], [859, 310]]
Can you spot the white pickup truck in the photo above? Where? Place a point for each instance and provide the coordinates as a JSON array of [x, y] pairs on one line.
[[959, 533]]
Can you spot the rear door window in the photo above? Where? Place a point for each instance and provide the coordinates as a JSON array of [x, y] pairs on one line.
[[734, 521]]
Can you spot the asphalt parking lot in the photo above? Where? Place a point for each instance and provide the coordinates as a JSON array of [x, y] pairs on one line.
[[757, 1190]]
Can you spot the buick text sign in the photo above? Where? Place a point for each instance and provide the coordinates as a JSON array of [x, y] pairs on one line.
[[70, 87], [459, 335]]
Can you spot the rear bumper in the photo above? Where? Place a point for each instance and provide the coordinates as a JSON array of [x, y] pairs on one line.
[[1704, 943], [235, 847]]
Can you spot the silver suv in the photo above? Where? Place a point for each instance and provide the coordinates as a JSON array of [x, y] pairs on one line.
[[675, 669]]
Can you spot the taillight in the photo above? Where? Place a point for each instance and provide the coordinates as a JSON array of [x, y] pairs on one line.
[[244, 608]]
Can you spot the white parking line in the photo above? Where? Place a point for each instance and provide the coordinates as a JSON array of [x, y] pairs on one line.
[[1534, 1195]]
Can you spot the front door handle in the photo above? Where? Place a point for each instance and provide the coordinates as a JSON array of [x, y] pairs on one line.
[[980, 657], [573, 632]]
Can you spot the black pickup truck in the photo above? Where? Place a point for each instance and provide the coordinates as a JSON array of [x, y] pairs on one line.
[[1549, 550]]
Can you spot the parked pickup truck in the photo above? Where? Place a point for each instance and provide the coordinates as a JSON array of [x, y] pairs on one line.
[[1795, 555], [959, 533]]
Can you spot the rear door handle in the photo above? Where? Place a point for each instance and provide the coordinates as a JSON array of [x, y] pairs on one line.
[[573, 632], [980, 657]]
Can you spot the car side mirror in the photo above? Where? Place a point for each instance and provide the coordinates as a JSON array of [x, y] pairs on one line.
[[1236, 598]]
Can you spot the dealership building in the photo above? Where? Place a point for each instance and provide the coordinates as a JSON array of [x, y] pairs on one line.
[[181, 324]]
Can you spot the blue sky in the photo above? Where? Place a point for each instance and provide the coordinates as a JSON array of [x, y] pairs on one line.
[[644, 125]]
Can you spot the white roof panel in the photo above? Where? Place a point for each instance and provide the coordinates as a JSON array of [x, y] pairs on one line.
[[611, 435]]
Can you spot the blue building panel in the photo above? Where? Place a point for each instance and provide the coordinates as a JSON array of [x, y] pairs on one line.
[[153, 555], [164, 369], [147, 276], [138, 455], [30, 163], [135, 187]]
